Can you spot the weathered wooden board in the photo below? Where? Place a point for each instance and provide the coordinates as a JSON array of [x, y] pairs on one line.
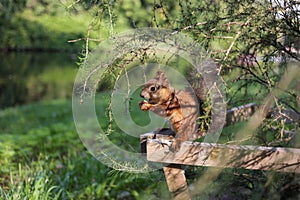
[[220, 155], [241, 113], [244, 112]]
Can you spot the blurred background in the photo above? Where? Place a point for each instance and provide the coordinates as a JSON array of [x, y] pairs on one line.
[[42, 45]]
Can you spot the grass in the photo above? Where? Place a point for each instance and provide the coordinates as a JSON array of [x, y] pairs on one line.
[[42, 157]]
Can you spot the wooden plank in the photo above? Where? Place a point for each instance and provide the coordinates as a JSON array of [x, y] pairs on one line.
[[240, 113], [244, 112], [225, 156]]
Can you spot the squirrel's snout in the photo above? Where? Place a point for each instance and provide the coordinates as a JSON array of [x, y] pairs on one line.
[[144, 94]]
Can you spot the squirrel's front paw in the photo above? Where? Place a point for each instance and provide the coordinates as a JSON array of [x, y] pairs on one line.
[[144, 105]]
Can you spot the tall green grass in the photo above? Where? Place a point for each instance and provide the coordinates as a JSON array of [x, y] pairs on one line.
[[42, 157]]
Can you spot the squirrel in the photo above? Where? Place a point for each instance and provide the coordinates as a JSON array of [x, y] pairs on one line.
[[179, 107]]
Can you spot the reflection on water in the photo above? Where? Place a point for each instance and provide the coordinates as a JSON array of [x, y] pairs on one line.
[[28, 77]]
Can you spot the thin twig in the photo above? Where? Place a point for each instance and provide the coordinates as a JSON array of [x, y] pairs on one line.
[[111, 20], [90, 39], [73, 4]]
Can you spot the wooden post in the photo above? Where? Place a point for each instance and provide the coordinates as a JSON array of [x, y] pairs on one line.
[[174, 174], [176, 182]]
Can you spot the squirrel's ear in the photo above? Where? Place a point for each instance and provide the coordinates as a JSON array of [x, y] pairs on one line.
[[162, 78]]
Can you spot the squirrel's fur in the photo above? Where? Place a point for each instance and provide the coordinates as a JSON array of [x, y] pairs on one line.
[[179, 107]]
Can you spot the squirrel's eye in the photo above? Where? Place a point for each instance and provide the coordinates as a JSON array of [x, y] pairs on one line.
[[152, 89]]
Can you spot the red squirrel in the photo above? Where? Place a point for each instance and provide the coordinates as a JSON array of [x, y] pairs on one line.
[[179, 107]]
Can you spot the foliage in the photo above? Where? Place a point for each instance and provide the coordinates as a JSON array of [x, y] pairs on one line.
[[45, 26], [251, 41], [28, 33], [253, 44], [8, 8], [42, 157]]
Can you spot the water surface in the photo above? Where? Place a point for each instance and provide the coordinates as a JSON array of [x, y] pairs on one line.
[[33, 76]]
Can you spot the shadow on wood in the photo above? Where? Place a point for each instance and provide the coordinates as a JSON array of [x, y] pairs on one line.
[[156, 145], [225, 156]]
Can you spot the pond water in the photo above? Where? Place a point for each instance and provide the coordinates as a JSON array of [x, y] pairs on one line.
[[28, 77]]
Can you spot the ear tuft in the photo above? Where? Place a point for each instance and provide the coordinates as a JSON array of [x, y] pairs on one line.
[[162, 78]]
